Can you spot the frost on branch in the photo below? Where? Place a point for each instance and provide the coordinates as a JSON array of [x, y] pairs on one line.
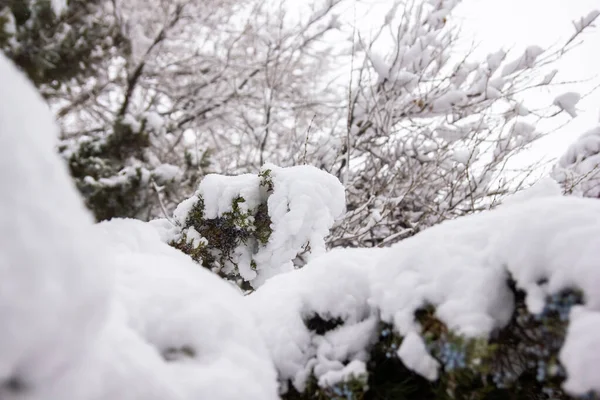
[[586, 21], [479, 304], [526, 60], [578, 170], [432, 129], [249, 228]]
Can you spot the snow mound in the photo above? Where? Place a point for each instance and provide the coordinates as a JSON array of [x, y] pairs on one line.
[[118, 365], [333, 286], [54, 282], [194, 320]]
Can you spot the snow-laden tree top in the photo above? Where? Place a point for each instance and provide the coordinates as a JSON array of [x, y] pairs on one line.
[[152, 96]]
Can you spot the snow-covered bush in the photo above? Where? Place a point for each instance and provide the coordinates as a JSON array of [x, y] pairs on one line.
[[481, 307], [248, 228], [57, 45], [115, 172]]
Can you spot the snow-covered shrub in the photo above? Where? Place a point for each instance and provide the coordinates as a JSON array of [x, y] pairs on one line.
[[117, 174], [578, 170], [56, 44], [318, 319], [248, 228], [480, 307]]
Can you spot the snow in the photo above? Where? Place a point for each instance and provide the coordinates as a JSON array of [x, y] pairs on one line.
[[524, 129], [544, 241], [10, 26], [118, 365], [521, 110], [167, 173], [545, 187], [567, 102], [195, 238], [577, 170], [586, 21], [53, 280], [391, 14], [494, 60], [58, 6], [126, 175], [548, 78], [438, 17], [462, 73], [449, 100], [333, 285], [520, 133], [175, 332], [581, 351], [462, 156], [355, 369], [132, 122], [196, 321], [526, 60], [380, 66], [413, 354], [117, 313], [452, 133], [154, 121], [219, 191], [407, 80], [303, 207]]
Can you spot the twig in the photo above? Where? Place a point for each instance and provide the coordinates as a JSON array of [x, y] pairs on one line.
[[306, 140], [158, 190]]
